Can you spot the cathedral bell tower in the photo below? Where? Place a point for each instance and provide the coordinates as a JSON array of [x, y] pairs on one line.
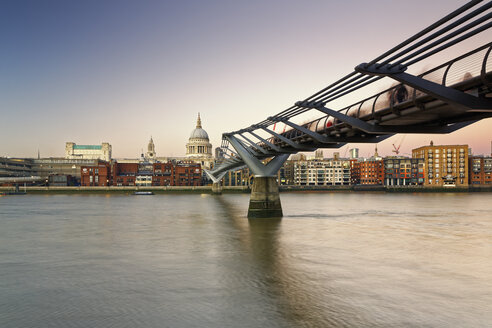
[[151, 149]]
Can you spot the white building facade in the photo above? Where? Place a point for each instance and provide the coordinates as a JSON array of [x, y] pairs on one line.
[[102, 151], [199, 148], [324, 172]]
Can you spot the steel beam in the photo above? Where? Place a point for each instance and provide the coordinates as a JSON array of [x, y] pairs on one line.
[[266, 142], [253, 144], [291, 143], [248, 149]]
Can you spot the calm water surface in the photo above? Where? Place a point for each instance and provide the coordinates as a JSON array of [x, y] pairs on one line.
[[334, 260]]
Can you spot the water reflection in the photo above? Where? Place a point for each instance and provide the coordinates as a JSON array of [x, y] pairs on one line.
[[296, 298], [336, 260]]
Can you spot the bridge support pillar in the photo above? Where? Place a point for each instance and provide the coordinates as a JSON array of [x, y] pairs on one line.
[[216, 188], [265, 200]]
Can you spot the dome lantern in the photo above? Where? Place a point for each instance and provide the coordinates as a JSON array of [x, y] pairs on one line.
[[198, 122], [198, 132]]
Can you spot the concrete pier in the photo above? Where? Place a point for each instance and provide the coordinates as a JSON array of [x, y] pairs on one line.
[[265, 200], [216, 188]]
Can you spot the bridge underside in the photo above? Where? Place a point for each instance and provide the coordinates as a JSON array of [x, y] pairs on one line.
[[447, 98]]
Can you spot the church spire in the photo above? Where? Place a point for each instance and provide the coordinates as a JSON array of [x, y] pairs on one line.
[[198, 122]]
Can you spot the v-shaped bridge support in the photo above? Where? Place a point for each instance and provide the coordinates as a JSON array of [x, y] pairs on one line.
[[264, 200], [255, 165]]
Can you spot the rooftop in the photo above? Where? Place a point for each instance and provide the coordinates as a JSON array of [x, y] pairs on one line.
[[87, 146]]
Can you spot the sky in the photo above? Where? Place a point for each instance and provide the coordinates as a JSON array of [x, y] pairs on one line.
[[122, 71]]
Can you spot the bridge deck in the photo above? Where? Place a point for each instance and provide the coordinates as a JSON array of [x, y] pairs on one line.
[[417, 110], [442, 100]]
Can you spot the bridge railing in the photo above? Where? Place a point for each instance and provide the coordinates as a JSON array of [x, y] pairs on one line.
[[464, 73], [472, 65]]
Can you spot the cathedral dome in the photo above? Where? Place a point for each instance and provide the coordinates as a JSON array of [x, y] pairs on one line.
[[199, 147], [198, 132]]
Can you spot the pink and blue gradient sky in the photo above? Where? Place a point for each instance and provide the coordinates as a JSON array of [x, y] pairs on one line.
[[121, 71]]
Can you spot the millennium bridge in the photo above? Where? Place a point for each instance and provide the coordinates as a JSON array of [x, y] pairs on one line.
[[444, 99]]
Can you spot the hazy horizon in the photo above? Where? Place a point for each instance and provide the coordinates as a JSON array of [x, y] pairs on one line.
[[122, 71]]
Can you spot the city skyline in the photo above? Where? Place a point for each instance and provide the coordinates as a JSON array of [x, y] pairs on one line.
[[120, 72]]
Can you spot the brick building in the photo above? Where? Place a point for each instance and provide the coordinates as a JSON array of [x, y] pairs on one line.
[[133, 174], [163, 174], [96, 175], [354, 171], [445, 165], [187, 174], [480, 170], [124, 174], [368, 171]]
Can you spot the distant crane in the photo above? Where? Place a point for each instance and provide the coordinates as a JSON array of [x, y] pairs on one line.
[[397, 148]]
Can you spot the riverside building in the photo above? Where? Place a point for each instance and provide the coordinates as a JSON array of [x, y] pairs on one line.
[[444, 165], [97, 175], [322, 172], [49, 171], [286, 173], [46, 167], [480, 170], [15, 167], [142, 174], [367, 171], [403, 171]]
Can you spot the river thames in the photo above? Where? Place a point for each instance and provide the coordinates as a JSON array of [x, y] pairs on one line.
[[334, 260]]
